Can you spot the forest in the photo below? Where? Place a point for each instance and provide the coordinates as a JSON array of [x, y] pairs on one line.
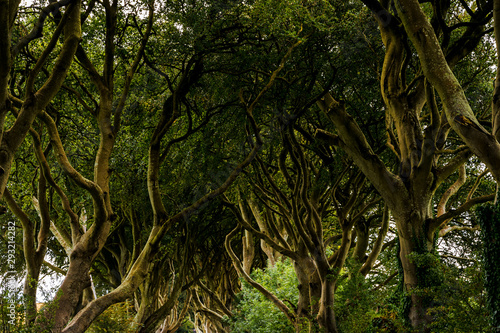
[[249, 166]]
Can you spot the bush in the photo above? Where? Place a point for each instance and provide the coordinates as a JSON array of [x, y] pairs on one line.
[[254, 313]]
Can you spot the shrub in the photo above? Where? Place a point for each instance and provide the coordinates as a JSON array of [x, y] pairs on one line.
[[254, 313]]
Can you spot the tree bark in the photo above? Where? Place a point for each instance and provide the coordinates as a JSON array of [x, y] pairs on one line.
[[326, 314], [415, 244], [248, 251], [437, 71]]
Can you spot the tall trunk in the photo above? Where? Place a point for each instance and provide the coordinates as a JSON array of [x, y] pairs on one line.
[[33, 254], [309, 288], [326, 314], [29, 295], [67, 297], [489, 220], [418, 262], [329, 274]]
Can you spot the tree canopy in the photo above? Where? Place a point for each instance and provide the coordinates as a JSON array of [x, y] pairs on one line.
[[250, 166]]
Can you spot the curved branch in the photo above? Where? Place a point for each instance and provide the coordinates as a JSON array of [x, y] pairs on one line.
[[44, 165], [444, 172], [216, 299], [45, 55], [353, 141], [446, 230], [438, 221], [377, 247], [462, 177], [55, 268], [263, 236], [88, 185], [34, 104], [133, 68], [476, 183], [72, 35], [36, 32]]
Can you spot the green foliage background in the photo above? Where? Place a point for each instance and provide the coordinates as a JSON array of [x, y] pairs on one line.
[[255, 313]]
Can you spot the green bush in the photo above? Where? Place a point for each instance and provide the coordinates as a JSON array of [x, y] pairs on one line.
[[254, 313], [357, 305]]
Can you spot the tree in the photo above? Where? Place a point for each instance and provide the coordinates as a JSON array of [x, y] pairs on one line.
[[409, 193], [84, 242], [311, 130]]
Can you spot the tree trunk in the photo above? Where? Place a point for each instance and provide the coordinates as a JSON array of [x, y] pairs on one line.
[[248, 251], [489, 220], [419, 271], [309, 289], [67, 297], [29, 295], [326, 314], [76, 281], [362, 240]]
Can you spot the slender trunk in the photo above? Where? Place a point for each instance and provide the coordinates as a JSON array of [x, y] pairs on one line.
[[248, 251]]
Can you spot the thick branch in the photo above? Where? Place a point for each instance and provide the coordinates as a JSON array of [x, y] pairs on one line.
[[438, 221], [462, 177], [65, 164], [436, 69], [353, 141], [55, 268], [446, 230]]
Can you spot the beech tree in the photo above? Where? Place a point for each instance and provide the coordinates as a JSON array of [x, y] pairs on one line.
[[410, 193], [84, 242], [174, 147]]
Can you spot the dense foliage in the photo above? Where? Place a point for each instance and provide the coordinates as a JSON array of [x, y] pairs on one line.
[[249, 166], [489, 220], [253, 312]]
